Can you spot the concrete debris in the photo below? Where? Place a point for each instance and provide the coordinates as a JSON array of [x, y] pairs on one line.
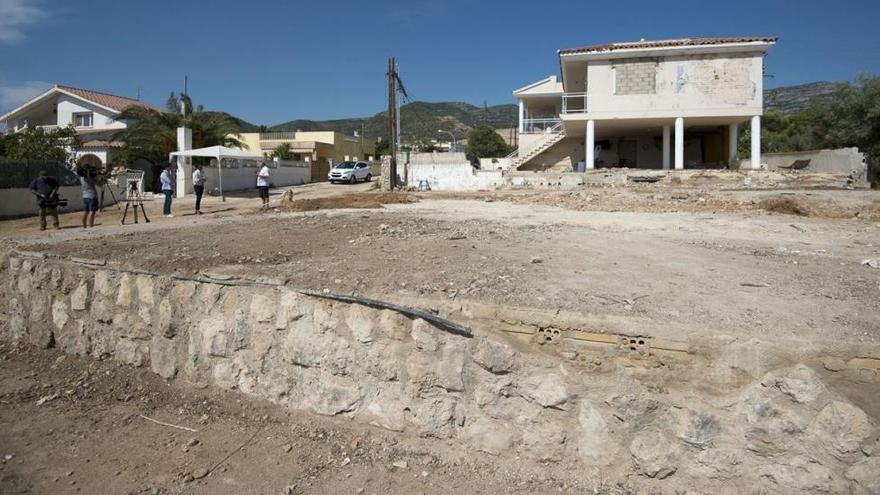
[[871, 262]]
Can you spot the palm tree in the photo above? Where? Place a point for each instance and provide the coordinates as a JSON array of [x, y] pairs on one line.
[[152, 134]]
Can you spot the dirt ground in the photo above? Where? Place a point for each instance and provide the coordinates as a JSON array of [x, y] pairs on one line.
[[786, 266], [74, 425]]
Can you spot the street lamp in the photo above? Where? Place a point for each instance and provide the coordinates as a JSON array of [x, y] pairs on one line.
[[454, 146]]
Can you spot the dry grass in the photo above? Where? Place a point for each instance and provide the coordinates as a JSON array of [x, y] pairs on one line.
[[354, 200], [787, 206]]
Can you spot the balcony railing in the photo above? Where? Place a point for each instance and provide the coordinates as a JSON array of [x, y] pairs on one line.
[[574, 103], [538, 126]]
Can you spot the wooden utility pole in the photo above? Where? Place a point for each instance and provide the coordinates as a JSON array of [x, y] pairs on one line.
[[392, 123]]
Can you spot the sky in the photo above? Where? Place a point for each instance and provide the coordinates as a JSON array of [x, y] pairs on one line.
[[273, 61]]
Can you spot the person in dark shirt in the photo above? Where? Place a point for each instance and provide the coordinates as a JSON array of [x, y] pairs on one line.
[[45, 188]]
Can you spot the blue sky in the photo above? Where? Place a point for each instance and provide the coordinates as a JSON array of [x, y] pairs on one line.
[[269, 62]]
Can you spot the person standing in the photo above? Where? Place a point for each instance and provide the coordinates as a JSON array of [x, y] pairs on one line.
[[198, 187], [88, 181], [166, 179], [45, 188], [263, 184]]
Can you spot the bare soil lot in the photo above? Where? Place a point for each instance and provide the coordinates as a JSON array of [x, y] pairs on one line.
[[694, 265]]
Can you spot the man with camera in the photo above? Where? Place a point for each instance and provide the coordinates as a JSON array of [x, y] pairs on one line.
[[45, 188], [88, 178]]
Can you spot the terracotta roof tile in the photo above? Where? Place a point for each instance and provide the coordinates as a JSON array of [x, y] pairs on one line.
[[610, 47], [118, 103]]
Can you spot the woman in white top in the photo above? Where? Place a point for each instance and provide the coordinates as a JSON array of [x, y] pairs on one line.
[[263, 184]]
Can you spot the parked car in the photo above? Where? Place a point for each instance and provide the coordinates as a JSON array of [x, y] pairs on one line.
[[350, 172]]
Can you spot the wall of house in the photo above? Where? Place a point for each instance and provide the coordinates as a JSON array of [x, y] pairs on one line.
[[102, 119], [842, 161], [696, 85]]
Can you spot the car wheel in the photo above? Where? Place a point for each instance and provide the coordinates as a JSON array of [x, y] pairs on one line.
[[352, 180], [368, 178]]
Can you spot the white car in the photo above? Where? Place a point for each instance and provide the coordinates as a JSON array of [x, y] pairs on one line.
[[350, 172]]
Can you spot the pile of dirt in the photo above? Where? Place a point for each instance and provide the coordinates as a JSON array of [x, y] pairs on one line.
[[355, 200], [820, 209]]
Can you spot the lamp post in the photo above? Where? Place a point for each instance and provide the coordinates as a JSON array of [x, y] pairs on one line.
[[454, 146]]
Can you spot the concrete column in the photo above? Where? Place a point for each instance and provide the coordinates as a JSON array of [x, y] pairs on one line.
[[667, 131], [184, 164], [521, 117], [756, 142], [679, 143], [732, 139], [590, 145]]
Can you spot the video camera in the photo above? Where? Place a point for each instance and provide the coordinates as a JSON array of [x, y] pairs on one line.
[[90, 171]]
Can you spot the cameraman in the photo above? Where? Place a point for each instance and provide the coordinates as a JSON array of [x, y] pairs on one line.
[[88, 178], [45, 188]]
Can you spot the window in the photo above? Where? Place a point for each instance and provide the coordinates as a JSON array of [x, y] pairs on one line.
[[84, 119]]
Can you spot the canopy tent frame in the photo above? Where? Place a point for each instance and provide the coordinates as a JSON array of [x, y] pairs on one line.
[[218, 152]]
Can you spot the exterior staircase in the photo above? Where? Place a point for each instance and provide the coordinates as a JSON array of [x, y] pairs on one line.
[[551, 137]]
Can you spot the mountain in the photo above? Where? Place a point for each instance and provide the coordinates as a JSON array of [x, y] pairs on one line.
[[795, 99], [243, 125], [422, 119], [417, 120]]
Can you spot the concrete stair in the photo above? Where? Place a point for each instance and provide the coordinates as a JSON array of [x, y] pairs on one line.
[[543, 146]]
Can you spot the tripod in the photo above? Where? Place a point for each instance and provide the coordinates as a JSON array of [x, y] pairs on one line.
[[112, 194], [133, 198]]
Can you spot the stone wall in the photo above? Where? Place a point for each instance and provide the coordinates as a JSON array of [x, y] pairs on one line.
[[785, 432]]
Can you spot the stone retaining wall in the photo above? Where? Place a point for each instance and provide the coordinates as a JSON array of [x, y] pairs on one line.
[[788, 432]]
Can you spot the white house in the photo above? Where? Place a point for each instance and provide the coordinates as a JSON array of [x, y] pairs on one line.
[[92, 113], [644, 104]]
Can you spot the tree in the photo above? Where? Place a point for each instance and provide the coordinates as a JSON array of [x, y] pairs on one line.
[[382, 147], [282, 151], [153, 135], [484, 142], [36, 143]]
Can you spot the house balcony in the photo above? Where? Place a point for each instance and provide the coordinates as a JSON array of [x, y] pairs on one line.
[[540, 125], [574, 103]]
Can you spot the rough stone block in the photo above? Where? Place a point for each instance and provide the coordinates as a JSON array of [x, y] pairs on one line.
[[129, 351], [360, 321], [59, 313], [262, 308], [103, 284], [163, 356], [489, 436], [547, 389], [123, 297], [79, 297], [424, 335], [841, 428], [799, 383], [394, 325], [495, 357], [593, 441], [655, 455], [145, 289]]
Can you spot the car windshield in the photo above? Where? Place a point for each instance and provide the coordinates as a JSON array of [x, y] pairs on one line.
[[345, 165]]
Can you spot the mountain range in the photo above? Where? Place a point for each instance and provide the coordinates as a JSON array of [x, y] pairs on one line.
[[421, 119]]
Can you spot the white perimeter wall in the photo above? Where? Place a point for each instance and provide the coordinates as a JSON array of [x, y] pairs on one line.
[[243, 178], [19, 202]]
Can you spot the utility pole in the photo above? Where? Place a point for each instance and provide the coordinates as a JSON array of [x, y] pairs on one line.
[[395, 85], [392, 124]]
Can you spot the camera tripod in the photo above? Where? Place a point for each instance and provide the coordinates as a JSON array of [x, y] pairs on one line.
[[134, 199]]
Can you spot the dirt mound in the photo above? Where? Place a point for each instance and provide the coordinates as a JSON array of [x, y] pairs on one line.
[[355, 200], [821, 209]]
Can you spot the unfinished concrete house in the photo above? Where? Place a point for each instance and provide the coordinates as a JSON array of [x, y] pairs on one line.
[[645, 104]]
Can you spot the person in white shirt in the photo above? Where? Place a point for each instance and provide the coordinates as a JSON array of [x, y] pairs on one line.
[[198, 187], [263, 184], [166, 179]]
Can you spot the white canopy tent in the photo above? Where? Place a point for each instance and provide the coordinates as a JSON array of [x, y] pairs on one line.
[[218, 152]]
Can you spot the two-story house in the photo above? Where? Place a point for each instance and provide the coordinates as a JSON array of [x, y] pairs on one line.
[[92, 113], [646, 104]]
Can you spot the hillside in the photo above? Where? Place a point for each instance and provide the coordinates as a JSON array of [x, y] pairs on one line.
[[418, 120], [422, 119], [795, 99]]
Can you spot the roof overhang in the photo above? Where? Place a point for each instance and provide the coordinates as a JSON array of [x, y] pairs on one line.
[[665, 51], [545, 87]]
